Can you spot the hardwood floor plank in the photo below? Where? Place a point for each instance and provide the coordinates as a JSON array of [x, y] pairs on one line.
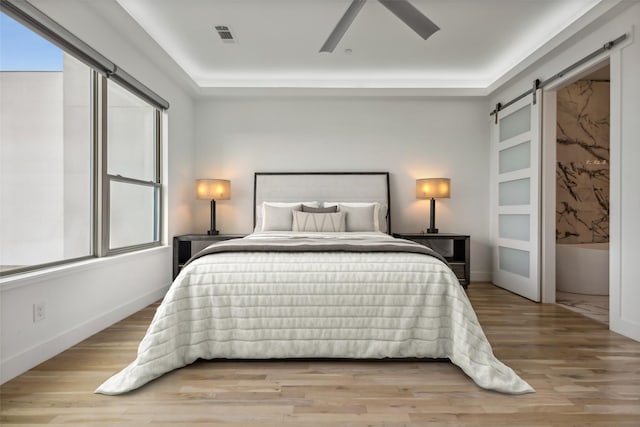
[[584, 375]]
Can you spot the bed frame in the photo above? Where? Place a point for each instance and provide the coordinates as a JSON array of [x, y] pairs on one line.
[[323, 187]]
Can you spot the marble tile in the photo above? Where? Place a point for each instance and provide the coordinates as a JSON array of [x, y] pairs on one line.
[[582, 172]]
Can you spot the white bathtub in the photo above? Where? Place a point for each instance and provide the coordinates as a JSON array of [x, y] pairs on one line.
[[583, 268]]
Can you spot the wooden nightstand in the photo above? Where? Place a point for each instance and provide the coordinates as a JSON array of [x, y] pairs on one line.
[[187, 245], [455, 248]]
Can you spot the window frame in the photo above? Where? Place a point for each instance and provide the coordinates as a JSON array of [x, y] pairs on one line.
[[105, 179]]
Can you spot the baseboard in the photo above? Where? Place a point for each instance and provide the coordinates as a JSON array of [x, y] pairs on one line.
[[624, 327], [33, 356], [480, 276]]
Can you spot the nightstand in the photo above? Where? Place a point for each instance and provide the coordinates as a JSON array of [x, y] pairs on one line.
[[187, 245], [455, 248]]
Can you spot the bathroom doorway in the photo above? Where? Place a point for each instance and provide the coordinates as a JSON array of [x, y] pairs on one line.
[[582, 194]]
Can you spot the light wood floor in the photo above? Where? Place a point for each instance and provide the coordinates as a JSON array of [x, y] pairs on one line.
[[584, 375]]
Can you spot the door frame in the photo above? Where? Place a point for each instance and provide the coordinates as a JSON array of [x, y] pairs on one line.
[[548, 185]]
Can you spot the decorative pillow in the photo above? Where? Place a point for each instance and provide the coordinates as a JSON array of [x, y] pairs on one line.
[[330, 209], [260, 211], [278, 218], [359, 219], [326, 222]]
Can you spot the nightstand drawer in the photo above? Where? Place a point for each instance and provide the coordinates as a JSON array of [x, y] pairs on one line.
[[444, 247]]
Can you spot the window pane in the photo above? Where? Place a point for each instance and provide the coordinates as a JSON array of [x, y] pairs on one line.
[[515, 123], [514, 226], [515, 158], [45, 151], [514, 192], [130, 135], [514, 261], [133, 215]]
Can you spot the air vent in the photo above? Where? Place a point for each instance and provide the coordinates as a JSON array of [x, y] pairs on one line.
[[225, 34]]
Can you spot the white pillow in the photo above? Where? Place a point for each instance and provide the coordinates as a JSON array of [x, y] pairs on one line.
[[276, 218], [356, 223], [319, 222], [273, 221]]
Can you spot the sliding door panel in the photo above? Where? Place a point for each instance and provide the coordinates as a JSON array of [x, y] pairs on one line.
[[515, 202]]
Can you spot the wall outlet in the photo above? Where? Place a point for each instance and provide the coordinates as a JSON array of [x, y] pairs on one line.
[[39, 312]]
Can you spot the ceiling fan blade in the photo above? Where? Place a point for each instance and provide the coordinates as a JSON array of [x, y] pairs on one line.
[[411, 16], [342, 26]]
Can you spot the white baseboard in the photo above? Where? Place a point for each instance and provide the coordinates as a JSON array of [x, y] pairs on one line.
[[33, 356], [624, 327], [480, 276]]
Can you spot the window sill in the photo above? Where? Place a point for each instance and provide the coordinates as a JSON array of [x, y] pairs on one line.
[[46, 274]]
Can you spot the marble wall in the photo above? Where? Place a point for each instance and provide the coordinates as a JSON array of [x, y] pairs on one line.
[[582, 172]]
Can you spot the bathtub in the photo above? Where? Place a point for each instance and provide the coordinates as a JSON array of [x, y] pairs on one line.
[[583, 268]]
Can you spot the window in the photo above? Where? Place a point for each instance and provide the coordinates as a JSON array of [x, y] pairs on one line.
[[79, 149], [46, 173], [133, 170]]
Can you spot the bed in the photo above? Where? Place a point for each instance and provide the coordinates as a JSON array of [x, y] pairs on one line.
[[320, 277]]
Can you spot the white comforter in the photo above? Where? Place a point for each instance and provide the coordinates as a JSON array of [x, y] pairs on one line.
[[338, 305]]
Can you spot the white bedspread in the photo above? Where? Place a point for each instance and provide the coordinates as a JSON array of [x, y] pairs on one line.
[[294, 305]]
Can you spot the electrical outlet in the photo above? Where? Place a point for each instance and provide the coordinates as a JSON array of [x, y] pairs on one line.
[[39, 312]]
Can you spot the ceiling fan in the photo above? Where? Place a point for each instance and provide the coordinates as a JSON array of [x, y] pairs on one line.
[[401, 8]]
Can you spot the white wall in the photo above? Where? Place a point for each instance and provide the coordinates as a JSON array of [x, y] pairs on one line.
[[84, 298], [45, 167], [625, 149], [31, 188], [409, 137], [77, 149]]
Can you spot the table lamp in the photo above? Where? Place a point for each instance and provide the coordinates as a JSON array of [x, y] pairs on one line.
[[213, 189], [433, 188]]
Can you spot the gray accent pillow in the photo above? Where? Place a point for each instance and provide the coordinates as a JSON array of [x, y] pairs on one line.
[[330, 209], [359, 218], [277, 218], [319, 222]]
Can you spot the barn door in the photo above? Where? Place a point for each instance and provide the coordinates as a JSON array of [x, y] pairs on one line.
[[515, 181]]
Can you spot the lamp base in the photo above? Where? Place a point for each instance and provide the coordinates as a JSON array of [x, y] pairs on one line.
[[212, 231], [432, 218]]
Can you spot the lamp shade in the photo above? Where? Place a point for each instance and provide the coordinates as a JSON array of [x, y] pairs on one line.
[[433, 188], [213, 189]]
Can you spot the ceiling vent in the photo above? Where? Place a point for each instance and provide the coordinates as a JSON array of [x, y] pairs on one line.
[[225, 34]]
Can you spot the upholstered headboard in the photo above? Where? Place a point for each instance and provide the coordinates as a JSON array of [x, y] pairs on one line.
[[323, 187]]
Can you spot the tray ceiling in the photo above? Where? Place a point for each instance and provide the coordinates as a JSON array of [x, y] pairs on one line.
[[277, 41]]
